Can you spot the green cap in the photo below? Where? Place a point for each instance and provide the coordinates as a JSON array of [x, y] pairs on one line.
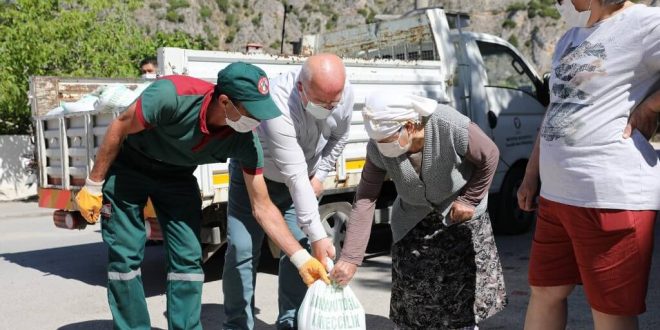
[[248, 84]]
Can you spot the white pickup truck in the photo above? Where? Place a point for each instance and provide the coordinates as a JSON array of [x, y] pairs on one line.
[[424, 52]]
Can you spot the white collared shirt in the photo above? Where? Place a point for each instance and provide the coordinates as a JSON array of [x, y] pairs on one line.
[[298, 146]]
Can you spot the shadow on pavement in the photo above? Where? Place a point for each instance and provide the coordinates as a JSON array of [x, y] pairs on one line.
[[95, 324], [214, 314], [378, 322], [87, 263], [382, 269]]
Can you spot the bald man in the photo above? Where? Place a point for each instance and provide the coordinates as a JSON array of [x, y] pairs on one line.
[[300, 149]]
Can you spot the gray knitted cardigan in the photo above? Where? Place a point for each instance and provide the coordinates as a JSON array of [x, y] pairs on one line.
[[444, 172]]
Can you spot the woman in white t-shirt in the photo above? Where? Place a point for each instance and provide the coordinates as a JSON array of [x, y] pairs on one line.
[[600, 176]]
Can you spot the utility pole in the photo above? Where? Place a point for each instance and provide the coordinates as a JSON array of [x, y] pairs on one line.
[[287, 8]]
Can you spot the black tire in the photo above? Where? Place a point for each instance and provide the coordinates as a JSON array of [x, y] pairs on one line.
[[509, 218], [334, 217]]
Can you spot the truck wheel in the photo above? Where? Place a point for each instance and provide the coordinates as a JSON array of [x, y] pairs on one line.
[[510, 219], [213, 231], [215, 215], [334, 217]]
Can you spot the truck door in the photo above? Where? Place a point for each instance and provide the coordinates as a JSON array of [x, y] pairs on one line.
[[514, 111], [514, 114]]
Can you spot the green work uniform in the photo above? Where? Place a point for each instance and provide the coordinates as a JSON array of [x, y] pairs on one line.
[[159, 162]]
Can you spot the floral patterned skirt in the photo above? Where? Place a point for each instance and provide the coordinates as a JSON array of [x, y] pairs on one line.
[[446, 277]]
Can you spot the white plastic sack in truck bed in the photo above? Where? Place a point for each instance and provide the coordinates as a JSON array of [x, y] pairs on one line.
[[105, 98], [117, 97]]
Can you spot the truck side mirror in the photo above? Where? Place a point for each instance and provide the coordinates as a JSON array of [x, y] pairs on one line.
[[492, 119], [543, 92]]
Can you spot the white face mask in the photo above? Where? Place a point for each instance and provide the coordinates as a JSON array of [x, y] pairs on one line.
[[149, 75], [571, 16], [244, 124], [394, 148], [317, 110]]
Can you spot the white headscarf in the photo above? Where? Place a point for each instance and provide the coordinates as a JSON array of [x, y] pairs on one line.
[[385, 112]]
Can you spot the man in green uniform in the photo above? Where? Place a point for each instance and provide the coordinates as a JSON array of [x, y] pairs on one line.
[[151, 150]]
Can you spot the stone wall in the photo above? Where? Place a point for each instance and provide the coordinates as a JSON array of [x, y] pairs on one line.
[[15, 156]]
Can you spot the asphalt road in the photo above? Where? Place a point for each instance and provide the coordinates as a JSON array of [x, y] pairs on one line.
[[52, 278]]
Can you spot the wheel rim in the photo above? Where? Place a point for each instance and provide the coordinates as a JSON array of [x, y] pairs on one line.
[[335, 227]]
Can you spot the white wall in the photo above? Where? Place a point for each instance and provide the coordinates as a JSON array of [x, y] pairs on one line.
[[15, 183]]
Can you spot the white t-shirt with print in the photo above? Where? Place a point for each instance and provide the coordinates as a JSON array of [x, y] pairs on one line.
[[599, 75]]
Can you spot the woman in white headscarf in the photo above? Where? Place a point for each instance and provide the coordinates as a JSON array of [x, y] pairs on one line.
[[446, 272]]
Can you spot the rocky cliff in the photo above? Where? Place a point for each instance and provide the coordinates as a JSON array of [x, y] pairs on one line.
[[531, 25]]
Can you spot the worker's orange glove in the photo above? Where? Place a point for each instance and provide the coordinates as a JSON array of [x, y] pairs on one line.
[[90, 200], [309, 268]]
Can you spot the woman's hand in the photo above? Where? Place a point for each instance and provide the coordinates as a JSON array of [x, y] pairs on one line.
[[645, 117], [343, 272], [528, 191], [460, 212]]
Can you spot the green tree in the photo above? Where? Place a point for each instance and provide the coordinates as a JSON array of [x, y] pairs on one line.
[[83, 38]]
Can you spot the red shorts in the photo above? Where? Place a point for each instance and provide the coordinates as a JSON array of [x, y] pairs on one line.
[[608, 251]]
